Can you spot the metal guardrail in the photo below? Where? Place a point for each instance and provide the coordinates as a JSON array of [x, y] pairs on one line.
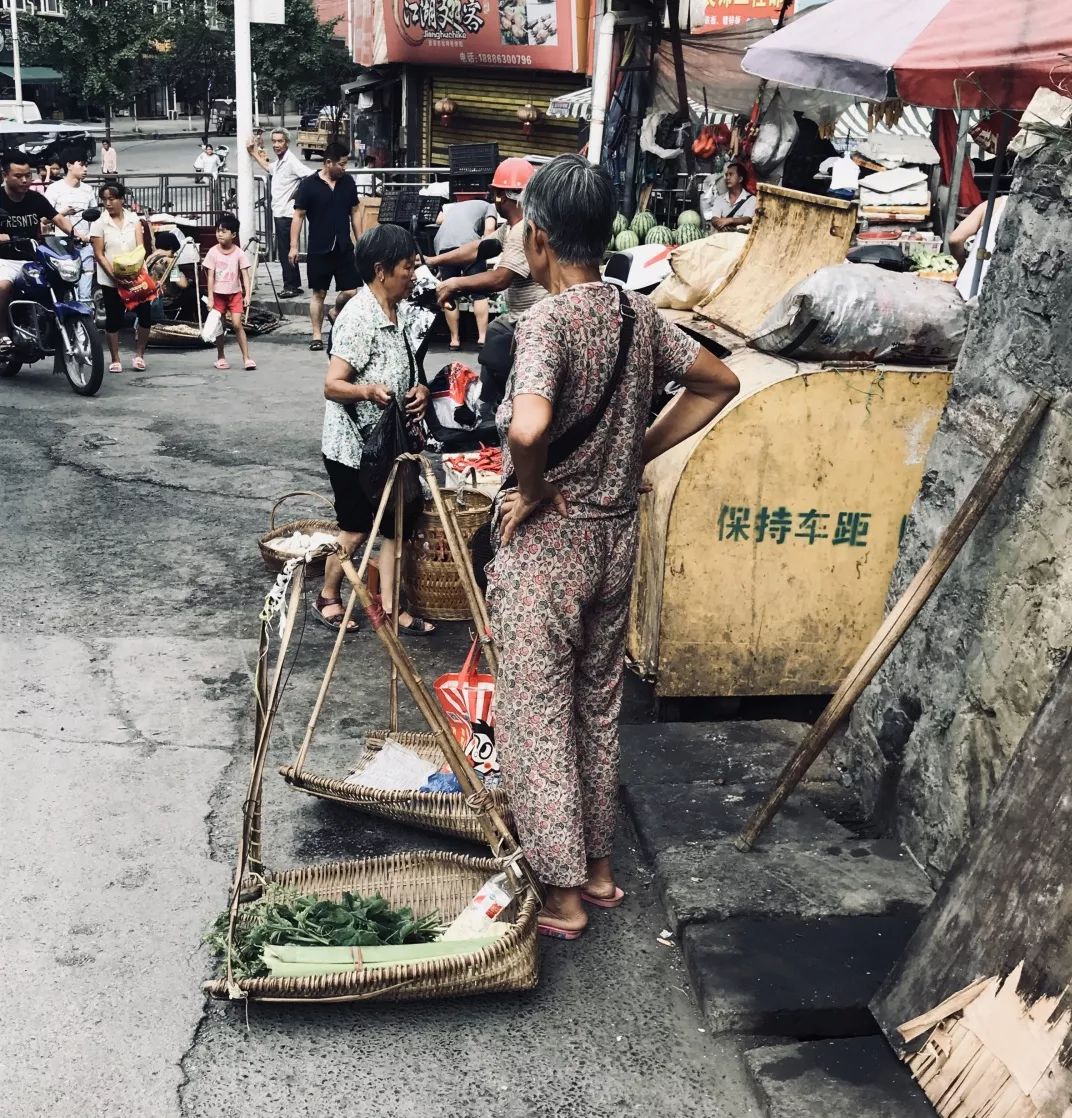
[[182, 195]]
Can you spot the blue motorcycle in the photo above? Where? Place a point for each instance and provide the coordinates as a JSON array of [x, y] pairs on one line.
[[46, 319]]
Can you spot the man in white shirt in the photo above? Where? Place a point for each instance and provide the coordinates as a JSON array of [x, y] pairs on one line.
[[70, 195], [287, 172], [734, 209]]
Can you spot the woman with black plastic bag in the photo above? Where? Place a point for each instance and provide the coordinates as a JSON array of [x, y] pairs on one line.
[[372, 392]]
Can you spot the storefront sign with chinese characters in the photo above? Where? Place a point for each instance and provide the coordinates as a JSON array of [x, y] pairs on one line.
[[508, 33], [731, 13]]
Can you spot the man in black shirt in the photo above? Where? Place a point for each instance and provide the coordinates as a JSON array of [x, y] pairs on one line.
[[21, 212], [329, 200]]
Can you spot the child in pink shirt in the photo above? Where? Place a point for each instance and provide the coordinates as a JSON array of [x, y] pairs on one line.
[[229, 285]]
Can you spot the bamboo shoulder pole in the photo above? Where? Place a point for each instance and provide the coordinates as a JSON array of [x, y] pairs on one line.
[[899, 618]]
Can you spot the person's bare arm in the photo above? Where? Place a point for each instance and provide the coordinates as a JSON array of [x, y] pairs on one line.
[[339, 387], [958, 239], [484, 283], [529, 438], [247, 286], [63, 223], [259, 155], [710, 385], [489, 227], [295, 233], [466, 254], [210, 284], [98, 255], [355, 222]]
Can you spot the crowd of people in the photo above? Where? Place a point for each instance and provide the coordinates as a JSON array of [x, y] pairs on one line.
[[572, 410]]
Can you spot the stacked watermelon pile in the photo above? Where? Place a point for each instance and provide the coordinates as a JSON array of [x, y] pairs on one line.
[[644, 229]]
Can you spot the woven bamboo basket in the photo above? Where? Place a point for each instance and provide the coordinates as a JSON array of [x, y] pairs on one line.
[[443, 812], [176, 335], [430, 576], [275, 560], [427, 881]]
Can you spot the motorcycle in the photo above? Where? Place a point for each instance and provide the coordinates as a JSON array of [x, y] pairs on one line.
[[46, 319]]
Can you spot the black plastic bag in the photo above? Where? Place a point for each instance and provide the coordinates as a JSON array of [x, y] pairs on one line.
[[388, 438]]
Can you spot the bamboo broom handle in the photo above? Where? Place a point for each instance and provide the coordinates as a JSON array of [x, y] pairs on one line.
[[397, 609], [329, 672], [900, 617], [460, 554], [251, 808], [497, 833], [260, 685]]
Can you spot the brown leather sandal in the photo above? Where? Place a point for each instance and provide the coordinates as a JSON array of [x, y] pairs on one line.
[[334, 623]]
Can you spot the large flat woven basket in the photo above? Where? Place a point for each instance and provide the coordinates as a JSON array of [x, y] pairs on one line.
[[430, 577], [444, 812], [426, 881]]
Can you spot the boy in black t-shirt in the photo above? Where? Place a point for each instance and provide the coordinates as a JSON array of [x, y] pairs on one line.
[[21, 212]]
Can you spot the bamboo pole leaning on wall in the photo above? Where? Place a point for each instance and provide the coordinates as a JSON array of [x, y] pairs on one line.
[[899, 618]]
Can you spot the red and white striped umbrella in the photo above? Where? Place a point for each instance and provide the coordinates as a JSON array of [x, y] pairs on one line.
[[944, 54]]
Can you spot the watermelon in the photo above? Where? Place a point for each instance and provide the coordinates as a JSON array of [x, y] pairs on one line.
[[689, 217], [642, 222], [626, 239], [685, 233], [621, 223], [660, 235]]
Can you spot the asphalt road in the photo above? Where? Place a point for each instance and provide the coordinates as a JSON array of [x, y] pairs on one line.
[[173, 155], [129, 595]]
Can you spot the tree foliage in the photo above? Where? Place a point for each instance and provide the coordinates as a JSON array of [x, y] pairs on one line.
[[199, 59], [105, 52], [300, 60]]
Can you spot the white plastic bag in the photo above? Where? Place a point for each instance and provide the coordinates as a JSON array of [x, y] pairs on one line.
[[857, 312], [213, 326]]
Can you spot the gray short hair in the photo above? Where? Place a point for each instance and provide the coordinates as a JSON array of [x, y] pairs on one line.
[[281, 132], [573, 202]]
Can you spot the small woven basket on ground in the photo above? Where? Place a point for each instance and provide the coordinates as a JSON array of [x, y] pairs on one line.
[[176, 335], [444, 812], [430, 576], [276, 560], [426, 881]]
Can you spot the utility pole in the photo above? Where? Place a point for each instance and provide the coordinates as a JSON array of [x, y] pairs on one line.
[[16, 64], [244, 114]]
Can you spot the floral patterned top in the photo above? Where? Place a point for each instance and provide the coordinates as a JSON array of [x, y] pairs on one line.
[[566, 350], [375, 348]]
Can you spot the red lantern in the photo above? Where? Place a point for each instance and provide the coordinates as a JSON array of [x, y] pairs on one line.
[[445, 107], [528, 114]]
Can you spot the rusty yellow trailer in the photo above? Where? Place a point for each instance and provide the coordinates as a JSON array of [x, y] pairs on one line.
[[768, 539]]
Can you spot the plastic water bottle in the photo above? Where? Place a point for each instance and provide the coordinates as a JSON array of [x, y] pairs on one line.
[[483, 910]]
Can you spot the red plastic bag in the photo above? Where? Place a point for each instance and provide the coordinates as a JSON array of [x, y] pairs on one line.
[[135, 290], [466, 698]]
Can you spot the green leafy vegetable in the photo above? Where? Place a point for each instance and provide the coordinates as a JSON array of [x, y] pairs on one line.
[[283, 917], [923, 260]]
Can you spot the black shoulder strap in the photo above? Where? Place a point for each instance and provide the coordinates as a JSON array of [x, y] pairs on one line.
[[576, 435]]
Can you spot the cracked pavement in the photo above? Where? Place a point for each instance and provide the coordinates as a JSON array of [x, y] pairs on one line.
[[128, 599]]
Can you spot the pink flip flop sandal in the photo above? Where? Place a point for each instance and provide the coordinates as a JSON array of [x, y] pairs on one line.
[[221, 363], [139, 364], [553, 932], [604, 902]]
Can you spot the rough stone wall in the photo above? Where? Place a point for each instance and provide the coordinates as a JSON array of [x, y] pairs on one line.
[[931, 736]]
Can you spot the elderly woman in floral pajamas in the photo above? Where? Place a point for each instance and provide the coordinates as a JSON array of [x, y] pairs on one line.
[[558, 587]]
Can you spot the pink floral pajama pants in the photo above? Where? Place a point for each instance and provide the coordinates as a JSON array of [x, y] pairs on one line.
[[558, 595]]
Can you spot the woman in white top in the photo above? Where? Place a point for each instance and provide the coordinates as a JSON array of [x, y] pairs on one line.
[[115, 232], [964, 245]]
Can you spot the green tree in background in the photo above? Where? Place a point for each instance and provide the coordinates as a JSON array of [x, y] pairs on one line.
[[199, 59], [300, 60], [105, 52]]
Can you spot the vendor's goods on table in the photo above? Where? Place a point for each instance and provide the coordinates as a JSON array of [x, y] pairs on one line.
[[478, 469], [857, 312]]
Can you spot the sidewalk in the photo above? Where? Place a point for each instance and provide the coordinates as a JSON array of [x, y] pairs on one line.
[[788, 944]]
